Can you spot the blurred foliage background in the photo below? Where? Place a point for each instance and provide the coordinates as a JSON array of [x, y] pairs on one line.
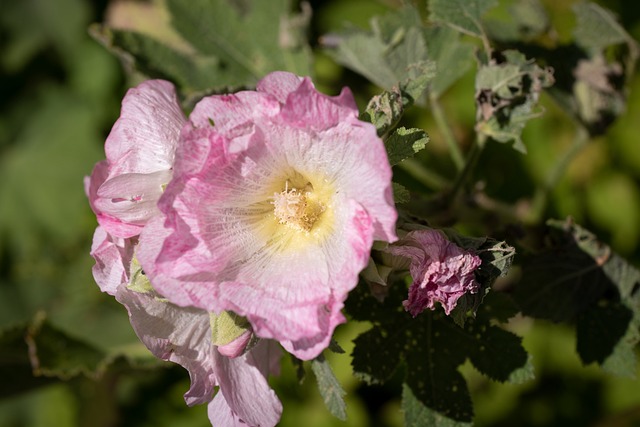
[[82, 365]]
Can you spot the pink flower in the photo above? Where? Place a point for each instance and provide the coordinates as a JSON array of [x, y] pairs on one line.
[[277, 197], [441, 271], [124, 189]]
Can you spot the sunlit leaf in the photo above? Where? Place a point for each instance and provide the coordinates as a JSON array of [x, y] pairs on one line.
[[330, 389]]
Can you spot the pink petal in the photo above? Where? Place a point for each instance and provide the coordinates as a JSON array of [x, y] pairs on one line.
[[132, 198], [245, 388], [279, 84], [221, 415], [177, 334], [112, 256], [144, 138]]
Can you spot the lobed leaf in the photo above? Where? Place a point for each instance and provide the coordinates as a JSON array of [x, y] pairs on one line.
[[388, 53], [432, 347], [578, 278]]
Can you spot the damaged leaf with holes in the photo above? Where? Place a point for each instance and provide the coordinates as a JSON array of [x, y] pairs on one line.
[[507, 92]]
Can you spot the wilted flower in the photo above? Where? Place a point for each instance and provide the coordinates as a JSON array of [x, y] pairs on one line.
[[441, 271], [124, 191], [277, 197]]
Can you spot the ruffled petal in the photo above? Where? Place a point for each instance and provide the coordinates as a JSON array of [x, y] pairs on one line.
[[245, 388], [177, 334], [309, 109], [113, 257], [132, 197], [144, 138], [279, 84]]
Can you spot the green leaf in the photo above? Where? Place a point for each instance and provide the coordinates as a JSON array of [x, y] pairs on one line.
[[405, 143], [463, 15], [139, 282], [330, 389], [596, 27], [384, 111], [250, 38], [15, 367], [568, 276], [55, 354], [400, 193], [192, 72], [433, 347], [416, 414], [393, 51], [506, 93], [452, 57], [219, 45], [578, 278], [600, 328]]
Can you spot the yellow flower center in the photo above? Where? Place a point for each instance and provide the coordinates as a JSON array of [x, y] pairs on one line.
[[297, 209]]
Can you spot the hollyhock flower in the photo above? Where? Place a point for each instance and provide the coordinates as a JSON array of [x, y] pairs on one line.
[[441, 271], [124, 189], [276, 199]]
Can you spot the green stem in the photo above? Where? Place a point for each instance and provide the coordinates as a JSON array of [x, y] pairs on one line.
[[470, 164], [541, 196], [447, 133], [423, 175]]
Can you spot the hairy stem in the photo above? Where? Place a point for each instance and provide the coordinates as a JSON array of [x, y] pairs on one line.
[[447, 133]]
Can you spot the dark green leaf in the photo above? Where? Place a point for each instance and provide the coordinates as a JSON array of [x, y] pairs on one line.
[[416, 414], [15, 367], [463, 15], [599, 330], [192, 72], [527, 20], [400, 193], [568, 276], [433, 347], [405, 143], [330, 389], [55, 354]]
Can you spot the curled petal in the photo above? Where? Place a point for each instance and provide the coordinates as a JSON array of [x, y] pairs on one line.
[[113, 257], [177, 334], [244, 386]]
